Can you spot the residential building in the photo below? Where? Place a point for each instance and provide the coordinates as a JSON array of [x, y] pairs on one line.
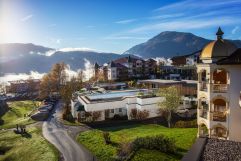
[[185, 87], [114, 103], [122, 103], [117, 71], [189, 59], [219, 77], [126, 68], [23, 86], [178, 72]]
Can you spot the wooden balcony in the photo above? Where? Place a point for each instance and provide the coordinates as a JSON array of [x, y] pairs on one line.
[[219, 88], [219, 116], [203, 86], [219, 135], [203, 113]]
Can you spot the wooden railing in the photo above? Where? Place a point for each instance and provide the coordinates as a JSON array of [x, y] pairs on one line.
[[203, 113], [218, 116], [220, 88], [203, 86]]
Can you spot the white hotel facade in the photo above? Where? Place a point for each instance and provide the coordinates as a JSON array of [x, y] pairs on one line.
[[219, 77]]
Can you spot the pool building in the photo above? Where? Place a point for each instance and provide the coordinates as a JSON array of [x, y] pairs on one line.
[[127, 103]]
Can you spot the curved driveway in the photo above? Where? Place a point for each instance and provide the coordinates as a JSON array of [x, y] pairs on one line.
[[56, 133]]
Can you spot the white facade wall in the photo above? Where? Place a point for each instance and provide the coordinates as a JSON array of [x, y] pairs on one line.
[[73, 110], [112, 73], [232, 97], [235, 110], [126, 104]]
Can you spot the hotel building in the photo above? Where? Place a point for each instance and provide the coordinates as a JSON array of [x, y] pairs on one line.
[[219, 86]]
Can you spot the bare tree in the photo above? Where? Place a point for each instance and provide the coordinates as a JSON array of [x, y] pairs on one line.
[[3, 88]]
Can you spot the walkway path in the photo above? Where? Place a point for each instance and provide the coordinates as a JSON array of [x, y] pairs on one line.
[[57, 133]]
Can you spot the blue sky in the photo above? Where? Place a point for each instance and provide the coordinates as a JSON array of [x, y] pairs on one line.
[[111, 25]]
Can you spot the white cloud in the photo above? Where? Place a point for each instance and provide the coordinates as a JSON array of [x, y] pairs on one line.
[[126, 21], [235, 29], [21, 76], [193, 4], [185, 24], [164, 16], [26, 18], [185, 16], [76, 49], [51, 52]]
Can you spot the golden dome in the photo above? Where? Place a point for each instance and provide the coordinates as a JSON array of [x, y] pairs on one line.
[[219, 48]]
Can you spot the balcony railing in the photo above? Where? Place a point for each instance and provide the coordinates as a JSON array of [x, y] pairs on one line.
[[223, 135], [219, 116], [203, 113], [219, 88], [203, 86]]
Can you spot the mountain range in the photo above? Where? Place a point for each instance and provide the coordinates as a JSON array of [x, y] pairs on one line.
[[171, 43], [23, 58]]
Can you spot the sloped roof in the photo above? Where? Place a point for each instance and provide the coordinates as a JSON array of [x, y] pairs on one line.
[[234, 58], [127, 59], [187, 55], [117, 65]]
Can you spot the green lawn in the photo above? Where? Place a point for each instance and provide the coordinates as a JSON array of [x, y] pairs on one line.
[[94, 141], [33, 148], [76, 123], [16, 112]]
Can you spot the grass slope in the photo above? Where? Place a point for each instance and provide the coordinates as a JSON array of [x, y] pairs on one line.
[[34, 148], [94, 141], [16, 113]]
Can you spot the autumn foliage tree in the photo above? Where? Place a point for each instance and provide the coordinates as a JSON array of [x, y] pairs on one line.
[[66, 92], [52, 81], [46, 86]]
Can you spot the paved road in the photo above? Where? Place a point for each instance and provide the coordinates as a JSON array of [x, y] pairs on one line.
[[57, 134]]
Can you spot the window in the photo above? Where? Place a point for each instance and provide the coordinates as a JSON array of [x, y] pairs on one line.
[[112, 110], [120, 109], [82, 114]]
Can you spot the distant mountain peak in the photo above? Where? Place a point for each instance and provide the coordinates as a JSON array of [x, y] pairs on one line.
[[170, 43]]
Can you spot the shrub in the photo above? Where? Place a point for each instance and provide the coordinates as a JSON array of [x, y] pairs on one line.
[[96, 115], [186, 124], [133, 113], [106, 136], [141, 115], [159, 142], [67, 115], [140, 94], [88, 114], [117, 117], [124, 151]]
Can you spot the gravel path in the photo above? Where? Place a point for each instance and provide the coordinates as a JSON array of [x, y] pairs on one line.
[[222, 150]]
